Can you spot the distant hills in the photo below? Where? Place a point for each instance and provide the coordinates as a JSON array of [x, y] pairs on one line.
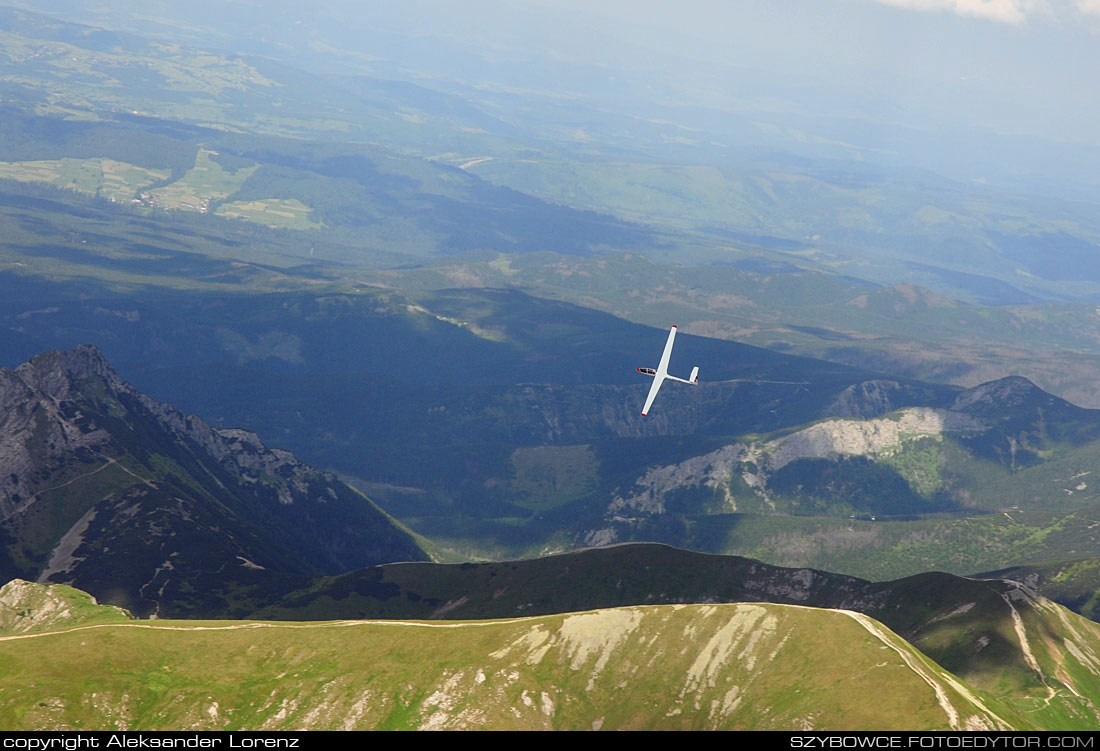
[[155, 510], [94, 187], [680, 184], [902, 329]]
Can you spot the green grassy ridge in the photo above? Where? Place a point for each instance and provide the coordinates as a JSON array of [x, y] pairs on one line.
[[741, 666]]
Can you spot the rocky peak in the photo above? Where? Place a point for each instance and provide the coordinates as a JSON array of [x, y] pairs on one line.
[[52, 386], [1001, 395], [39, 423], [55, 373], [877, 397], [106, 488]]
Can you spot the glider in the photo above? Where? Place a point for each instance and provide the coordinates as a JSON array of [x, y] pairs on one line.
[[661, 373]]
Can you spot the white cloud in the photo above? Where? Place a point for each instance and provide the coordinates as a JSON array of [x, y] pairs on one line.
[[1091, 7], [1013, 12]]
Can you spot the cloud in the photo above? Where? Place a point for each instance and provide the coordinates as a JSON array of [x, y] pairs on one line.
[[1089, 7], [1014, 12]]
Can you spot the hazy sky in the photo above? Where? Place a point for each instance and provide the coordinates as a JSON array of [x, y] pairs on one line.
[[1015, 66], [1009, 67], [1010, 63]]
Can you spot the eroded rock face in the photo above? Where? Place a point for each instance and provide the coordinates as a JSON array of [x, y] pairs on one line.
[[863, 437]]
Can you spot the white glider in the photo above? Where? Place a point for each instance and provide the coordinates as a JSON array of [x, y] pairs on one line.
[[661, 373]]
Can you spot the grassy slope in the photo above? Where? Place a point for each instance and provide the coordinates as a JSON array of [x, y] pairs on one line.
[[689, 667], [761, 666]]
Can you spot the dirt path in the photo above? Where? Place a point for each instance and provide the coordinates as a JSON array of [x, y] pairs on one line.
[[79, 477], [475, 162], [239, 626]]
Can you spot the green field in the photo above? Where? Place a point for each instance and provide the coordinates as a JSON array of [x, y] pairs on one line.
[[107, 178], [273, 212], [203, 184]]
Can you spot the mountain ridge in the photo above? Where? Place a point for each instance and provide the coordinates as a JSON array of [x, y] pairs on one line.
[[995, 634], [130, 498]]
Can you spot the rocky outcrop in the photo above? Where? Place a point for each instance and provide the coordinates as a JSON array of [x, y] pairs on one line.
[[863, 437], [27, 607], [710, 470], [754, 462], [39, 427]]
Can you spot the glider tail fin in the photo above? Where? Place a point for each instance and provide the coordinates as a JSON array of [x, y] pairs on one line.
[[694, 375]]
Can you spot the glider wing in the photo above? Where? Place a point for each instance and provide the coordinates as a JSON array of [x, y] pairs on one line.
[[662, 369], [657, 381]]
